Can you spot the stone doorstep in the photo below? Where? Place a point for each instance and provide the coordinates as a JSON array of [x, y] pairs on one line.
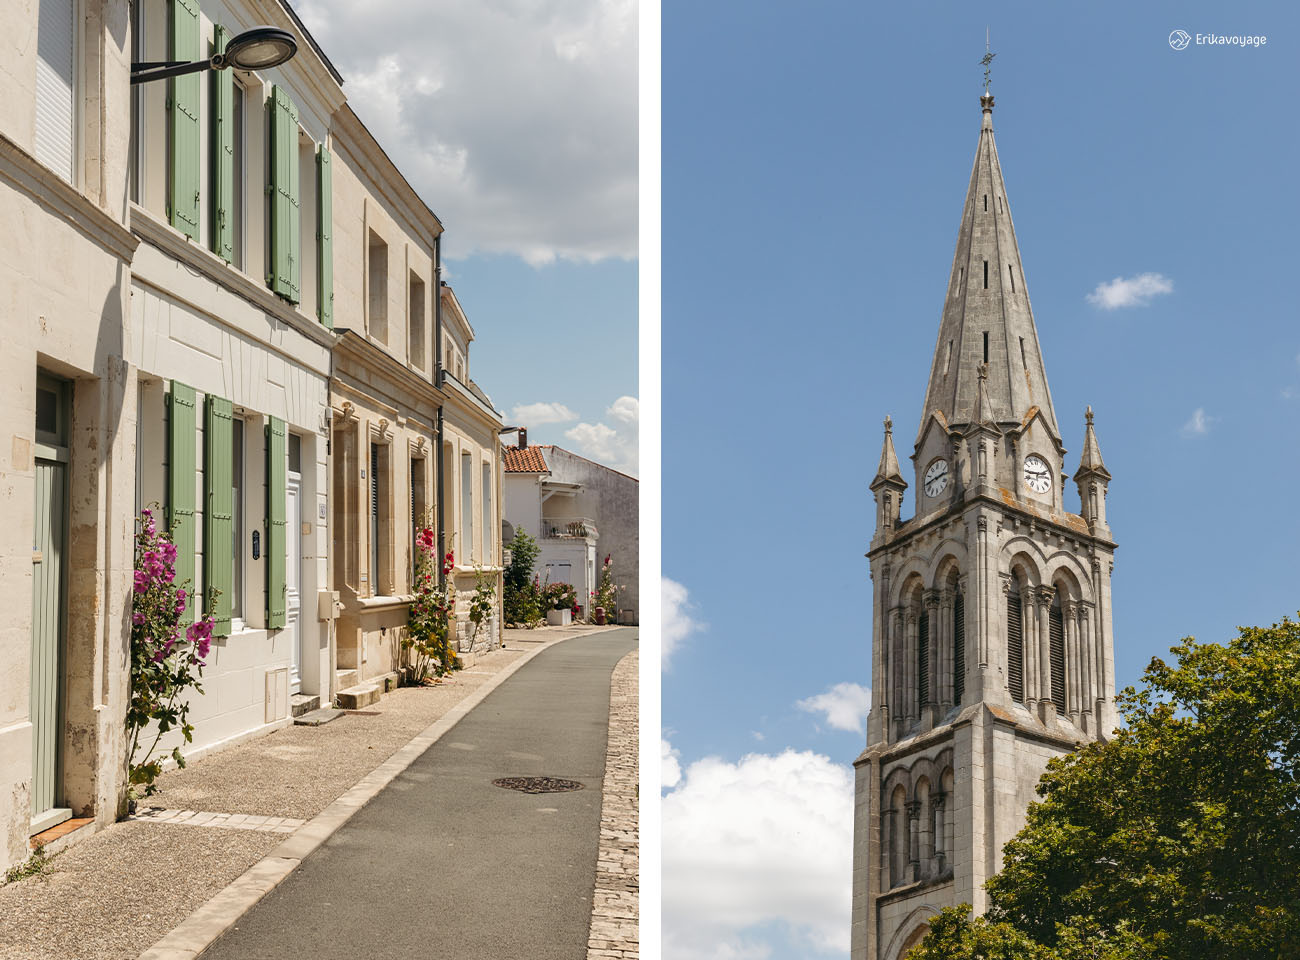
[[362, 695], [48, 838], [300, 703]]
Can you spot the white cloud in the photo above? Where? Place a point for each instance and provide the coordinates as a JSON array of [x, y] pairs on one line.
[[677, 623], [516, 122], [614, 446], [536, 414], [670, 768], [749, 844], [1131, 291], [1198, 425], [844, 705]]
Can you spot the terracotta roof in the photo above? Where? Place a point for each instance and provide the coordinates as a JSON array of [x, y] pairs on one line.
[[527, 460]]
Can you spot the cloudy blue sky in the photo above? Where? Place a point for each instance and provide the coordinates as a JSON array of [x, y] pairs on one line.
[[517, 124], [815, 160]]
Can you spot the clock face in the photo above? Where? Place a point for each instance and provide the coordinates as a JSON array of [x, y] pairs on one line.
[[1037, 477], [936, 478]]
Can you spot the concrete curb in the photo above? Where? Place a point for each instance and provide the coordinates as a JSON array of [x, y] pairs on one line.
[[201, 928]]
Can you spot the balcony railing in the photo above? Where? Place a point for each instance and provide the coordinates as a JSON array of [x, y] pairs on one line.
[[566, 528]]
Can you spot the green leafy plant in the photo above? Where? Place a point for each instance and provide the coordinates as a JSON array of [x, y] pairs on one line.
[[606, 593], [164, 668], [522, 592], [562, 596], [431, 621], [483, 602], [31, 867]]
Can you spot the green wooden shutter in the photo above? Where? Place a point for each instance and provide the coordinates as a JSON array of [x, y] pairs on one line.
[[181, 451], [325, 238], [223, 153], [276, 539], [285, 225], [219, 509], [183, 105]]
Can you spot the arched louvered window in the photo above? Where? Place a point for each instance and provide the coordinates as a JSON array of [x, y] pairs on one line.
[[1056, 645], [923, 656], [958, 647], [1015, 646]]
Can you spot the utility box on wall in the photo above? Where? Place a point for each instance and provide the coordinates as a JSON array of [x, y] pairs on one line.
[[327, 605], [277, 694]]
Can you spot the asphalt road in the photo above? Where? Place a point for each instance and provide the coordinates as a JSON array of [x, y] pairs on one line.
[[442, 863]]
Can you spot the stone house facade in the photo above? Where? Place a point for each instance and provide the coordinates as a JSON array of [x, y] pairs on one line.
[[992, 648], [66, 453], [580, 512], [170, 268]]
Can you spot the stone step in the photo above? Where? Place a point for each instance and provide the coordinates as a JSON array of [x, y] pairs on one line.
[[318, 718], [361, 695], [301, 703], [345, 678]]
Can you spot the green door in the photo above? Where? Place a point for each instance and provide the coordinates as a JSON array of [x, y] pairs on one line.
[[49, 545]]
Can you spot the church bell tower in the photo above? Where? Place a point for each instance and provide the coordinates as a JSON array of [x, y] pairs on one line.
[[991, 634]]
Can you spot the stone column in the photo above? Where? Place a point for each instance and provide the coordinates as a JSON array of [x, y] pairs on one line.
[[1043, 596], [1090, 658], [913, 711], [940, 832], [1073, 656], [929, 709], [946, 635], [898, 671], [1029, 647], [914, 838]]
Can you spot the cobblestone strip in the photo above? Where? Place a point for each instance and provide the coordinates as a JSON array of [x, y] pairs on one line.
[[614, 907], [227, 821]]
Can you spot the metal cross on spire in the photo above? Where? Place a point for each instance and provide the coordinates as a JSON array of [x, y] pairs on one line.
[[986, 61]]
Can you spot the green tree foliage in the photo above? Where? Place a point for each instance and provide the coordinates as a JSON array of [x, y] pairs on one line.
[[1179, 839], [521, 594]]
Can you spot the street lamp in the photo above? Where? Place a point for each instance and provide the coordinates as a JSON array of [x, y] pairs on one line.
[[257, 49]]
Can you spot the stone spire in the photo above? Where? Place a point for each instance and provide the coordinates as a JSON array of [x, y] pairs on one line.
[[1091, 461], [986, 314], [888, 469]]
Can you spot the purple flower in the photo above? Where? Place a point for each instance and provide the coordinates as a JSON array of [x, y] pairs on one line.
[[168, 551], [141, 581], [137, 619]]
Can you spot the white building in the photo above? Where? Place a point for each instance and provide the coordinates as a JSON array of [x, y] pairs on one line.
[[579, 511]]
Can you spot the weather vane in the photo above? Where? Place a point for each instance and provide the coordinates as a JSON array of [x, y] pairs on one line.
[[986, 61]]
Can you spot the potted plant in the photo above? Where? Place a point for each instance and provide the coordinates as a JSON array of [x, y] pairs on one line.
[[562, 599]]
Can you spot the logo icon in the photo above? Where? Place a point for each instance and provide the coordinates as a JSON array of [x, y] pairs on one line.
[[1179, 39]]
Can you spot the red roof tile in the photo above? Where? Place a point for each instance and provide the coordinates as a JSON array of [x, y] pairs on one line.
[[527, 460]]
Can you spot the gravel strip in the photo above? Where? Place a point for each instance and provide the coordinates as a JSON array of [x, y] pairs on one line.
[[111, 896], [615, 905]]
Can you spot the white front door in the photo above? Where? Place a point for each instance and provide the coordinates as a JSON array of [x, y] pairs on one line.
[[292, 578]]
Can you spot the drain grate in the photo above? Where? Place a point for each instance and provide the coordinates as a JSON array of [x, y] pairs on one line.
[[538, 784]]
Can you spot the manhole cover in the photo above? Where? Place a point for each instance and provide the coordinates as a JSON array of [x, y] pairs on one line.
[[538, 784]]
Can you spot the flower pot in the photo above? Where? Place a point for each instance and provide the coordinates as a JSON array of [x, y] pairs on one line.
[[600, 616], [559, 618]]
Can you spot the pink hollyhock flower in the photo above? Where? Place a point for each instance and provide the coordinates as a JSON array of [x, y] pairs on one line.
[[137, 619], [141, 581], [168, 551]]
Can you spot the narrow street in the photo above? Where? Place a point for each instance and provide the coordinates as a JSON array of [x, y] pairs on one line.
[[442, 862]]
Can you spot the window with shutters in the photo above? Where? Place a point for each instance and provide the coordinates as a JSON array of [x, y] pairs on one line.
[[324, 238], [308, 213], [56, 76], [415, 321], [238, 516], [1056, 651], [184, 193], [284, 274], [377, 288], [489, 554], [1015, 646], [239, 162], [958, 646], [467, 506], [381, 547], [277, 525], [419, 503], [218, 506]]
